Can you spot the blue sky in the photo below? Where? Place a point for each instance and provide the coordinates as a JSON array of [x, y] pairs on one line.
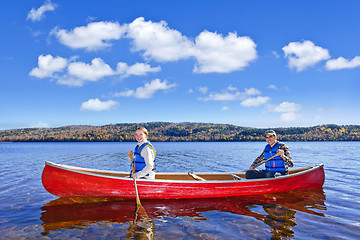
[[249, 63]]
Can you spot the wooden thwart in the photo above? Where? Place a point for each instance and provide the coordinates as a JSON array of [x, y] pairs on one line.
[[236, 177], [196, 177]]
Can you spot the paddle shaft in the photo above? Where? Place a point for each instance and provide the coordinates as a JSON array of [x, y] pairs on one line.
[[137, 194], [267, 160], [136, 191], [139, 208]]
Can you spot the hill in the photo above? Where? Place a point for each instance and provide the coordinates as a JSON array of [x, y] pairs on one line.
[[175, 132]]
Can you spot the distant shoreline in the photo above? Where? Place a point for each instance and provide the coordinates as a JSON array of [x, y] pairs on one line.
[[179, 132]]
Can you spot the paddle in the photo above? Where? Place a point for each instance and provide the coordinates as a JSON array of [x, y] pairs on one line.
[[139, 229], [139, 208], [267, 160]]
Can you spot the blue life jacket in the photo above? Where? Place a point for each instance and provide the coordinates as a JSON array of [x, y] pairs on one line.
[[139, 161], [275, 164]]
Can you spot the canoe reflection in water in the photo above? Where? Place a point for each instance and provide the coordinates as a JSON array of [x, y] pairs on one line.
[[277, 210]]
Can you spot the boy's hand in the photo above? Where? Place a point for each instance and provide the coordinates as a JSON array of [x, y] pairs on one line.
[[130, 153]]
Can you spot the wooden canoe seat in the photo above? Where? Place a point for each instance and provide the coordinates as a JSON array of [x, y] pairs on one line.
[[196, 177]]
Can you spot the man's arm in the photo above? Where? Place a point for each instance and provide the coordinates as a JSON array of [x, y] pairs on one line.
[[258, 160], [288, 161]]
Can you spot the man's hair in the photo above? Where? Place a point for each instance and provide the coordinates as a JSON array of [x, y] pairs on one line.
[[272, 132]]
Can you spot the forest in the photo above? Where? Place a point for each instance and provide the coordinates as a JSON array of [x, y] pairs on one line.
[[178, 132]]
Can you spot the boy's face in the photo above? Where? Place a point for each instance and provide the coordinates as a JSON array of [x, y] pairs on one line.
[[140, 136]]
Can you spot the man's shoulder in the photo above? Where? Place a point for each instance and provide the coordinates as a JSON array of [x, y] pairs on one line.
[[282, 145]]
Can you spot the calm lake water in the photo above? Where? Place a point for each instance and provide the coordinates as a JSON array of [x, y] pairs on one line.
[[29, 212]]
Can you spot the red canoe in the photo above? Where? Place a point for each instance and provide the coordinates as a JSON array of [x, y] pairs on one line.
[[68, 181]]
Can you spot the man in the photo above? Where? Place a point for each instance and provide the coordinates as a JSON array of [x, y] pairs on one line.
[[278, 165]]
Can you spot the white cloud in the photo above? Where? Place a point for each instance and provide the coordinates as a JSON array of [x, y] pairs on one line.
[[68, 72], [127, 93], [252, 91], [224, 95], [225, 108], [342, 63], [273, 87], [138, 69], [216, 53], [94, 104], [213, 52], [231, 94], [158, 41], [288, 111], [94, 36], [48, 65], [78, 73], [90, 72], [38, 14], [287, 107], [255, 102], [231, 88], [40, 125], [70, 81], [203, 89], [275, 54], [288, 117], [302, 55], [148, 90]]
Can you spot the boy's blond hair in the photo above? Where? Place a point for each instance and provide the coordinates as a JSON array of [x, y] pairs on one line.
[[144, 130]]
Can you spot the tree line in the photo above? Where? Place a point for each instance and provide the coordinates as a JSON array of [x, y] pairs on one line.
[[178, 132]]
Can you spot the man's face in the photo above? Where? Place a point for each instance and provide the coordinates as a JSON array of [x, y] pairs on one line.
[[270, 139]]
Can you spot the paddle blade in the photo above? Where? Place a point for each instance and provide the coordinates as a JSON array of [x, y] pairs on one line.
[[141, 212]]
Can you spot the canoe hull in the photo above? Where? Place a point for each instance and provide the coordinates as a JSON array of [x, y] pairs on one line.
[[66, 182]]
